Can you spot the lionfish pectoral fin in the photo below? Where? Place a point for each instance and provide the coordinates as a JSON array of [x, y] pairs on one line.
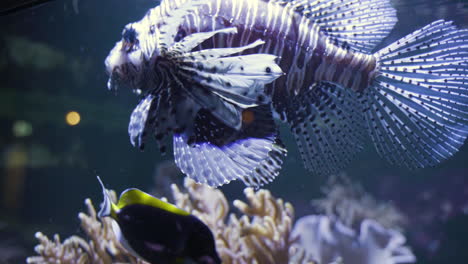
[[219, 80], [417, 107], [361, 25], [239, 80], [215, 166], [328, 127], [168, 112], [216, 154], [230, 114], [139, 127], [269, 168]]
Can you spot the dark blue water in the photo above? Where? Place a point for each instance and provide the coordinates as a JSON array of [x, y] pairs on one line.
[[52, 62]]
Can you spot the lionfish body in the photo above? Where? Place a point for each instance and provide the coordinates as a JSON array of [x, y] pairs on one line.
[[214, 73]]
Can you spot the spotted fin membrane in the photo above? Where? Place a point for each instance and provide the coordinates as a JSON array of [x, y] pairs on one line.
[[327, 120], [154, 116], [417, 108], [137, 128], [216, 154], [328, 127]]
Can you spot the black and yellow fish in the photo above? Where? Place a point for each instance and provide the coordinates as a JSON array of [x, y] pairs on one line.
[[158, 232], [207, 68]]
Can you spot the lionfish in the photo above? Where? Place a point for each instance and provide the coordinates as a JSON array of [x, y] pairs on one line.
[[215, 74]]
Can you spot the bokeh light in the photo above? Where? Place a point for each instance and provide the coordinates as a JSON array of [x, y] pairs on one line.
[[22, 128], [73, 118]]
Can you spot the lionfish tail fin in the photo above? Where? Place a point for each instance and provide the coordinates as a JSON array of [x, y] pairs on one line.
[[417, 107]]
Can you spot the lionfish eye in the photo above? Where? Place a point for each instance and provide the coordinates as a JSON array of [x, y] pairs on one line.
[[129, 35]]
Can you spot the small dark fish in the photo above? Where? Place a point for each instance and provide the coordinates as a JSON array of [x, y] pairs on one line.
[[13, 6], [207, 68], [158, 232]]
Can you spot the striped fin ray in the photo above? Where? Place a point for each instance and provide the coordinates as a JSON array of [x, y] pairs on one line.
[[193, 40], [228, 113], [361, 24], [215, 166], [107, 207], [417, 108], [237, 79], [326, 121], [216, 154], [138, 126], [219, 80], [158, 117], [268, 169], [170, 26]]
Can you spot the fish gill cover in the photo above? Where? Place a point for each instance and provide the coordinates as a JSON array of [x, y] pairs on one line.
[[212, 74]]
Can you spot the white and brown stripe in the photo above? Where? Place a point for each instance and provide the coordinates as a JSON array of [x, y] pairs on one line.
[[307, 55]]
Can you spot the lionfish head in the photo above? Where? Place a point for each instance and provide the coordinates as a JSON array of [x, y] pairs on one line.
[[125, 62]]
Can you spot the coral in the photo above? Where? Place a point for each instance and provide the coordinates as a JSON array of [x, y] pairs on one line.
[[348, 202], [355, 228], [261, 235], [101, 248], [328, 240]]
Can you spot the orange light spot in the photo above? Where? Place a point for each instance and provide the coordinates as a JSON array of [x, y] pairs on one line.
[[248, 116], [73, 118]]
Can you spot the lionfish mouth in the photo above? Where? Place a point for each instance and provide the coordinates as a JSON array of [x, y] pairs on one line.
[[121, 76]]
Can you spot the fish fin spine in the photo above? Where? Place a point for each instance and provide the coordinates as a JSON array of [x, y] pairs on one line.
[[358, 24], [216, 154], [108, 208], [416, 109]]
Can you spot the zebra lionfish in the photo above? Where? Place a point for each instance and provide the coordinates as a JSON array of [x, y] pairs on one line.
[[214, 73]]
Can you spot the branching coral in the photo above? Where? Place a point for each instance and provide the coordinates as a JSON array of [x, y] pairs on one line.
[[261, 235], [101, 248], [355, 229], [348, 202], [328, 240]]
